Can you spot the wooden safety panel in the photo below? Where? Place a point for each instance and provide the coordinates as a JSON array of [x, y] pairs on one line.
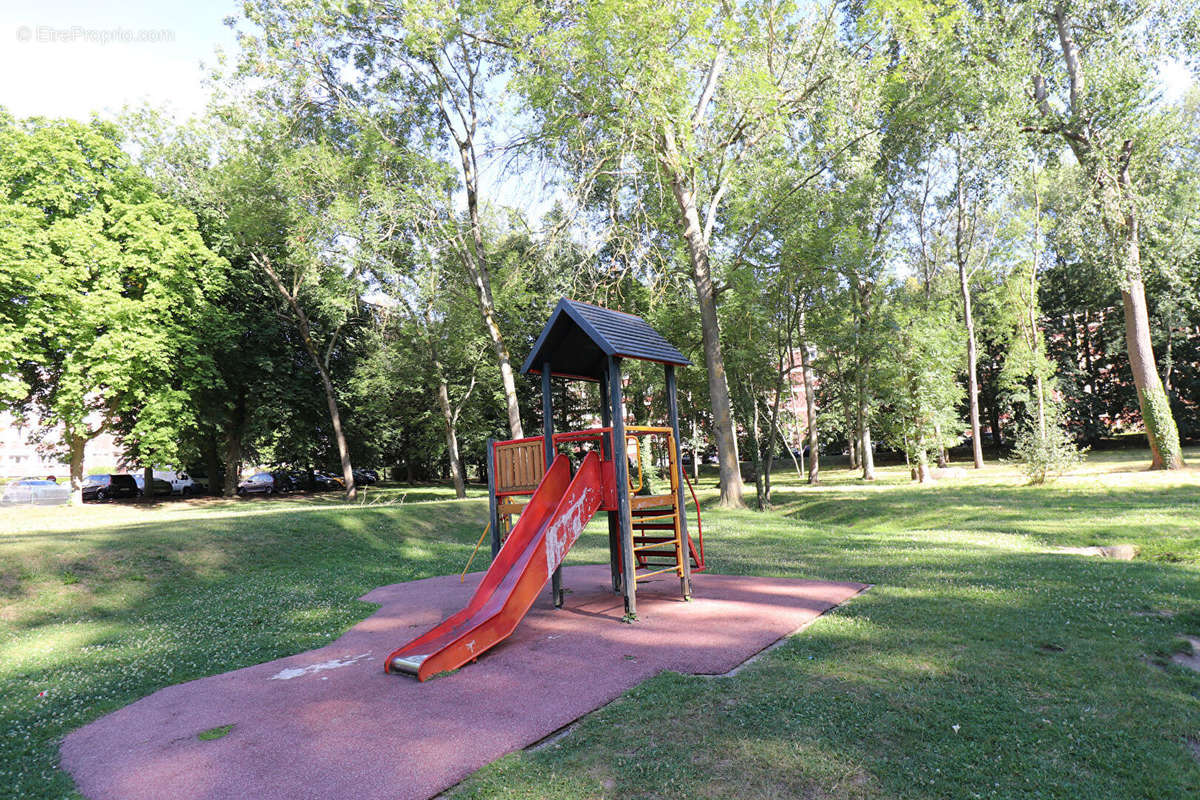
[[519, 466]]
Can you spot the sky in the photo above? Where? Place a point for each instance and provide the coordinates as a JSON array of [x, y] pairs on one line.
[[71, 58], [76, 57]]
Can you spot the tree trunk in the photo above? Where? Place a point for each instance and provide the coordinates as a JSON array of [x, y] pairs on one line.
[[852, 439], [810, 409], [233, 463], [972, 370], [148, 484], [997, 434], [1035, 339], [764, 502], [487, 311], [330, 396], [477, 269], [923, 475], [456, 470], [695, 446], [867, 457], [714, 361], [233, 445], [339, 435], [77, 446], [1161, 431], [212, 464]]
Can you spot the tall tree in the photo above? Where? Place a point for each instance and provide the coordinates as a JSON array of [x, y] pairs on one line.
[[646, 101], [438, 65], [300, 210], [108, 300], [922, 394], [1092, 70]]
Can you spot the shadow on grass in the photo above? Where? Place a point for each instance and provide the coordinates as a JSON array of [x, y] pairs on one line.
[[984, 674]]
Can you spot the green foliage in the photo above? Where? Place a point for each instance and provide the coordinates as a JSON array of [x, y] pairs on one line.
[[107, 313], [1160, 424], [921, 395], [1045, 455]]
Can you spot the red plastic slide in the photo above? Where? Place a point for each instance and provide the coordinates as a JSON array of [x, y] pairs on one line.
[[557, 512]]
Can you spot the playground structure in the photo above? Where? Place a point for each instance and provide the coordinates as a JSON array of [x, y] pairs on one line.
[[534, 480]]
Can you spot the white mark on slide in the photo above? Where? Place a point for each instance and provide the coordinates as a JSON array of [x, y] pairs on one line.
[[565, 530], [471, 646], [296, 672]]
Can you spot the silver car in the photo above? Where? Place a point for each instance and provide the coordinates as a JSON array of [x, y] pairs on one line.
[[35, 492]]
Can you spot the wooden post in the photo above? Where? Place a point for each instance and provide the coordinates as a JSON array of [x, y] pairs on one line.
[[548, 445], [685, 580], [493, 503], [614, 536], [621, 468]]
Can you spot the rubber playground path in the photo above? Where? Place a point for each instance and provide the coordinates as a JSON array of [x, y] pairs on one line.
[[329, 723]]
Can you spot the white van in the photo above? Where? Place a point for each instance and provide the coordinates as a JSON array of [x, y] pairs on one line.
[[181, 482]]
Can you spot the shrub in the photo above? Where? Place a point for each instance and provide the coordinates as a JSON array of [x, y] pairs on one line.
[[1044, 456]]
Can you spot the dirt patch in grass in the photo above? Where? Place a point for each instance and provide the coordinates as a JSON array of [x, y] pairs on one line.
[[1190, 660], [1120, 552]]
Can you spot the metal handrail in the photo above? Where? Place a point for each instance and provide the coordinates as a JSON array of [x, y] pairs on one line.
[[699, 525]]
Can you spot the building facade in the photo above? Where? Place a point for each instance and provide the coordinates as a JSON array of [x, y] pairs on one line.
[[22, 457]]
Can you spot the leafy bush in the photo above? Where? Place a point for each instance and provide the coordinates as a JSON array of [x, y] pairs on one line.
[[1050, 455]]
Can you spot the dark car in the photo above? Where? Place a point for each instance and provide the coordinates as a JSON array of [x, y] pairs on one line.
[[324, 482], [259, 483], [285, 482], [365, 477], [109, 487], [161, 488]]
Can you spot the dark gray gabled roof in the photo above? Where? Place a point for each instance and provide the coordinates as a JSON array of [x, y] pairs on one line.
[[580, 336]]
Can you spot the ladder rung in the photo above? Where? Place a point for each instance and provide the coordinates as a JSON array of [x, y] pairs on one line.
[[658, 572], [652, 544], [641, 520], [654, 526]]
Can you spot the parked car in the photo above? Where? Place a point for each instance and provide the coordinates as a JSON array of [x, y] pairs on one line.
[[365, 477], [159, 487], [200, 483], [324, 482], [285, 482], [258, 483], [35, 491], [181, 482], [109, 487]]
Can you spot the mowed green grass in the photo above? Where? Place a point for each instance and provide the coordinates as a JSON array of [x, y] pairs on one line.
[[981, 663]]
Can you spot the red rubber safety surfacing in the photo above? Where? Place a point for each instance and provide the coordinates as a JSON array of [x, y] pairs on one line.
[[330, 724]]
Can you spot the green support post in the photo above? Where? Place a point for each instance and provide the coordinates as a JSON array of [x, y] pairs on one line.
[[614, 536], [621, 465], [556, 590], [493, 502]]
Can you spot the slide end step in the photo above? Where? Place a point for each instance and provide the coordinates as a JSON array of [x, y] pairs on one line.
[[409, 665]]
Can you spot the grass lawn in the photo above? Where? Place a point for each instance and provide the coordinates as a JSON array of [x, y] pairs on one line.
[[982, 663]]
